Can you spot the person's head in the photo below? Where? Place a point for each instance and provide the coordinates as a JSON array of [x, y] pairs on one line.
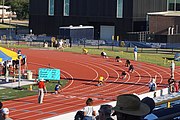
[[89, 101], [153, 80], [150, 102], [5, 112], [42, 80], [105, 112], [117, 57], [129, 106]]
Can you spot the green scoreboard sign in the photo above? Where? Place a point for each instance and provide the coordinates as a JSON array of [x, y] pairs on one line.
[[49, 74]]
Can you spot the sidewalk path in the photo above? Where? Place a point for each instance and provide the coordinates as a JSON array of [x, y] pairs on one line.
[[4, 84]]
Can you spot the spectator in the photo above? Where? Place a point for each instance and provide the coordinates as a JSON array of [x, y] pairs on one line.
[[135, 53], [152, 84], [129, 107], [42, 89], [104, 54], [150, 102], [176, 86], [58, 88], [105, 112], [127, 64], [89, 111], [79, 115], [123, 75], [1, 117], [171, 84], [5, 114], [172, 69], [60, 44], [131, 68]]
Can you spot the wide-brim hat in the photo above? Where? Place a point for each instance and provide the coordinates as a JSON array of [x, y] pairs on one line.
[[130, 104]]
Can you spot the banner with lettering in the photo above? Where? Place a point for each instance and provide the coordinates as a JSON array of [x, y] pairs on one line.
[[49, 74]]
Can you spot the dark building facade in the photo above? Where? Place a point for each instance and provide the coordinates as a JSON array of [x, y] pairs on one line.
[[109, 17]]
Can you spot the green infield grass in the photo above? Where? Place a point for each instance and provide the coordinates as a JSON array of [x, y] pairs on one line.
[[10, 93], [146, 55]]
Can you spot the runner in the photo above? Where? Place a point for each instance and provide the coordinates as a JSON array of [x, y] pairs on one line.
[[123, 75], [58, 88], [101, 81]]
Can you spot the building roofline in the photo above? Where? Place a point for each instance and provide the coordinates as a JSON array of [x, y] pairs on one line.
[[6, 7], [165, 13], [76, 27]]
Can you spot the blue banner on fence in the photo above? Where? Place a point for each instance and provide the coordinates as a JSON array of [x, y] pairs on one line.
[[49, 74]]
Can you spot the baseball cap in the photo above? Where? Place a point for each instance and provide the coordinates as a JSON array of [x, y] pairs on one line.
[[5, 111]]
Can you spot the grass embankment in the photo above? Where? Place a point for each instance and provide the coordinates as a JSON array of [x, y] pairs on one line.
[[6, 26]]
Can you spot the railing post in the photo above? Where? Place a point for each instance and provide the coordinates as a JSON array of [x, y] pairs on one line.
[[168, 104]]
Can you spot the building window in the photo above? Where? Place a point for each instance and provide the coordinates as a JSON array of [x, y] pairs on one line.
[[177, 5], [119, 8], [174, 5], [171, 5], [66, 7], [51, 8]]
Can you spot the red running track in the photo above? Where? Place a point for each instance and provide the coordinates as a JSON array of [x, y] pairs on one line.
[[83, 71]]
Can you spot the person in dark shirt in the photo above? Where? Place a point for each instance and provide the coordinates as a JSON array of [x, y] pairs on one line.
[[118, 59], [58, 88], [1, 105], [131, 68], [127, 63], [123, 75], [129, 107]]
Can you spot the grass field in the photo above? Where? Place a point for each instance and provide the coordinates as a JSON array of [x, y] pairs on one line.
[[6, 26], [9, 93], [144, 56]]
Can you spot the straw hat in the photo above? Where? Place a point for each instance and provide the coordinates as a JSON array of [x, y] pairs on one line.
[[130, 104]]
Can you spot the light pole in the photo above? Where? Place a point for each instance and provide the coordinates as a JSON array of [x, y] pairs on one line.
[[19, 78], [10, 17], [3, 12]]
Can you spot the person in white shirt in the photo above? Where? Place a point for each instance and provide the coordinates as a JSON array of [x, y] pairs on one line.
[[104, 54], [172, 69], [152, 84], [5, 114], [60, 43], [88, 110]]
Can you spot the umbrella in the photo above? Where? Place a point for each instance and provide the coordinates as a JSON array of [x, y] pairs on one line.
[[4, 57], [9, 53]]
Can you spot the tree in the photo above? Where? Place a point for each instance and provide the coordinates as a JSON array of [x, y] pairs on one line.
[[21, 7]]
